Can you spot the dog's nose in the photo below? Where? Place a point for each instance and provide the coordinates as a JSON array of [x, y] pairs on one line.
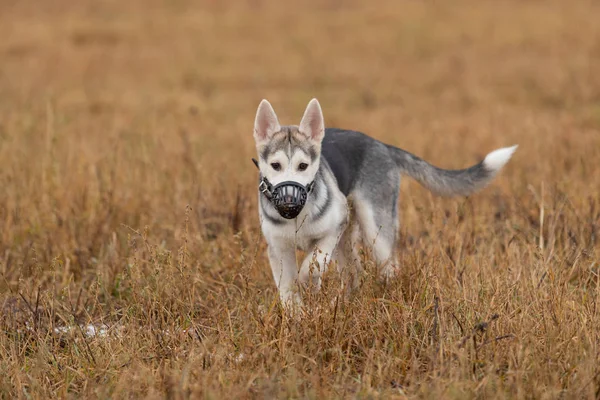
[[289, 194]]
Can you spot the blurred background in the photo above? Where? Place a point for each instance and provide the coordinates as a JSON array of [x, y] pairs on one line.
[[124, 113], [128, 198]]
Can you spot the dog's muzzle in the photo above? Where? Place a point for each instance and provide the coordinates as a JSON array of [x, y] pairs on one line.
[[287, 197]]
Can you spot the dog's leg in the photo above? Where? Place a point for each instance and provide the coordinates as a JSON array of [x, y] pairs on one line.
[[283, 265], [315, 263], [346, 256], [379, 227]]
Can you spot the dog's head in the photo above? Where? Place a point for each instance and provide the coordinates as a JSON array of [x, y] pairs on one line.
[[289, 156]]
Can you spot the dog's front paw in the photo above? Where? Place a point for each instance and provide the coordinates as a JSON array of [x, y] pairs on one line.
[[389, 272], [290, 301]]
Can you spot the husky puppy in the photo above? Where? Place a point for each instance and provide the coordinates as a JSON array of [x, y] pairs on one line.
[[322, 190]]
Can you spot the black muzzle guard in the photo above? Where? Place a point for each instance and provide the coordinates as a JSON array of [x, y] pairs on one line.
[[289, 198]]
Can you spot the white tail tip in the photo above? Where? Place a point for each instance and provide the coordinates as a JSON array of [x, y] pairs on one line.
[[498, 158]]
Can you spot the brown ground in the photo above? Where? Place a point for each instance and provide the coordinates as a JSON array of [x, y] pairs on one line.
[[128, 198]]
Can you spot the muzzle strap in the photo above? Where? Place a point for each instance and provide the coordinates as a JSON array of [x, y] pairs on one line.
[[265, 187]]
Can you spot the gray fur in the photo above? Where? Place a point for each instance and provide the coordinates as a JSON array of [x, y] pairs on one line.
[[359, 159]]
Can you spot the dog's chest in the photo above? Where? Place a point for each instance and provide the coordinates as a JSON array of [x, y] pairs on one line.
[[304, 231]]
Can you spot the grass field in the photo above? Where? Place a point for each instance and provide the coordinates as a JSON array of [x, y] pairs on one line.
[[130, 249]]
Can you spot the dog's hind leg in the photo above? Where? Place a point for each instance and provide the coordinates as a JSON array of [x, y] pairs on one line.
[[347, 257], [379, 226]]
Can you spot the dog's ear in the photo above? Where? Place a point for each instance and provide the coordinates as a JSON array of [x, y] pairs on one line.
[[266, 123], [312, 123]]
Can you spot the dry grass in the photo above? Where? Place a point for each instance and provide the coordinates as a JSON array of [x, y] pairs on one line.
[[128, 199]]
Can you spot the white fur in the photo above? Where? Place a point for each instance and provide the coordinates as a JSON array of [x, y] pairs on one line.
[[288, 171], [299, 233], [266, 122], [283, 239], [497, 159], [313, 123]]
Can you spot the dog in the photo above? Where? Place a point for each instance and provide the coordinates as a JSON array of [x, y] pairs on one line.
[[322, 190]]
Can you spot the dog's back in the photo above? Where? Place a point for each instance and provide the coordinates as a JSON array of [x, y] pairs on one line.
[[348, 152], [356, 159]]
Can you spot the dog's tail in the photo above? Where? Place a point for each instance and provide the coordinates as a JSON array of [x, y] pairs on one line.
[[445, 182]]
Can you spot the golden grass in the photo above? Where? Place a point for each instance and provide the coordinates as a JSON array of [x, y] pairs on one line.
[[128, 199]]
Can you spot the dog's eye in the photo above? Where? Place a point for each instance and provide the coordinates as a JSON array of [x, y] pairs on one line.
[[276, 166], [302, 166]]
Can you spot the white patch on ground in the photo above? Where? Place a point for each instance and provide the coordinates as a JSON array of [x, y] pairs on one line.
[[89, 330]]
